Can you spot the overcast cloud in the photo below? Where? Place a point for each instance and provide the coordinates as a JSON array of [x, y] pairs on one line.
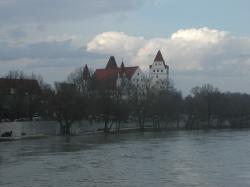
[[196, 50], [53, 37], [29, 11]]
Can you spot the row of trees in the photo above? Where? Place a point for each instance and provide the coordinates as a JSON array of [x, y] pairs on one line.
[[205, 107]]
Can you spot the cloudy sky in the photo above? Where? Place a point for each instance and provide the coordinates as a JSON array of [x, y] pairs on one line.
[[202, 41]]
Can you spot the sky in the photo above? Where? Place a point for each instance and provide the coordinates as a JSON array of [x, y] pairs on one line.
[[201, 41]]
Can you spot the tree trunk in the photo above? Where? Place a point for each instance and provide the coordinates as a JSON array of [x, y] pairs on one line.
[[62, 128], [67, 129], [106, 126]]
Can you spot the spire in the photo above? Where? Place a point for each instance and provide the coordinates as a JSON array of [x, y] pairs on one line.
[[86, 74], [111, 63], [159, 57], [122, 69], [122, 65]]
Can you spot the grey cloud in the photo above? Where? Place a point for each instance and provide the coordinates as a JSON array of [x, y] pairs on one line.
[[228, 58], [44, 50], [17, 33], [40, 11], [41, 28]]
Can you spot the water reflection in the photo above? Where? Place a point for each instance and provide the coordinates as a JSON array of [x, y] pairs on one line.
[[191, 158]]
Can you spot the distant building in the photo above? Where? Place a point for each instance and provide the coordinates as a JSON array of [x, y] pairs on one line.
[[18, 98], [19, 87], [159, 73], [113, 76]]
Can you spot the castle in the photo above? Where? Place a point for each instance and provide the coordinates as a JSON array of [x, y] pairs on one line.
[[159, 73], [114, 76]]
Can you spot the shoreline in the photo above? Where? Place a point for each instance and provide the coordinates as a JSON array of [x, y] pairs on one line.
[[123, 130], [15, 138]]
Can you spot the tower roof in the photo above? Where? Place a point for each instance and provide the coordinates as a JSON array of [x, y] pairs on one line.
[[86, 74], [159, 57], [111, 63]]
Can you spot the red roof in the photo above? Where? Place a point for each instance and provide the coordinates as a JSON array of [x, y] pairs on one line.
[[105, 74], [106, 78], [130, 71]]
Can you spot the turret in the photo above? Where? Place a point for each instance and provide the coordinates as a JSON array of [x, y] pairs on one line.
[[86, 73]]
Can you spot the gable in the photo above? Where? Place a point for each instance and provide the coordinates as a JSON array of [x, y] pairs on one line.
[[159, 61]]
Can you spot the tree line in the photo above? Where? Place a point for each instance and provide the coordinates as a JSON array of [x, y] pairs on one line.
[[76, 100]]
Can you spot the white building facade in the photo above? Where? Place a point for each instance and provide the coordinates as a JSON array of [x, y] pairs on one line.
[[138, 78], [159, 73]]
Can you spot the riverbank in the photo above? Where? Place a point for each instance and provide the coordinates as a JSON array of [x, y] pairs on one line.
[[32, 129], [5, 139], [50, 128]]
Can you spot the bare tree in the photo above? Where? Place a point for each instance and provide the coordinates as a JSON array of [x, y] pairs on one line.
[[68, 106], [140, 102], [203, 103], [77, 78]]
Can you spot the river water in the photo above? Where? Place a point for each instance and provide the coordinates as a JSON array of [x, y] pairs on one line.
[[178, 158]]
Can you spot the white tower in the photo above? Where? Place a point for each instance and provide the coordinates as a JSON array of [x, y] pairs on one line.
[[158, 73]]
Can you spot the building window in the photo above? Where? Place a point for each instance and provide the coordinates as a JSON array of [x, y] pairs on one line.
[[157, 70], [161, 70], [153, 70], [12, 91]]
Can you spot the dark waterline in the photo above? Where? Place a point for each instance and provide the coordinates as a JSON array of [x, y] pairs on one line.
[[178, 158]]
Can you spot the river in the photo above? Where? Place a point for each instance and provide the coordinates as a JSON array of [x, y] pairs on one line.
[[176, 158]]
